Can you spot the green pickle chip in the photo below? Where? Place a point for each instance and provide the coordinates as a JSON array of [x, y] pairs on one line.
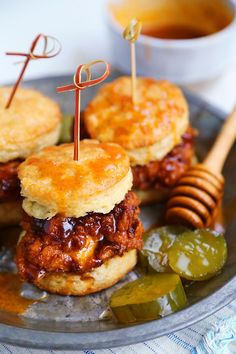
[[154, 256], [66, 129], [198, 255], [148, 298]]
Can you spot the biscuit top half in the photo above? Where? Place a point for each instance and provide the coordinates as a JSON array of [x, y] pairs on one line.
[[30, 123], [161, 109], [53, 183]]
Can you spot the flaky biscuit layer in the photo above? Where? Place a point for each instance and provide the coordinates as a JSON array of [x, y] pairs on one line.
[[32, 122], [53, 183], [148, 129]]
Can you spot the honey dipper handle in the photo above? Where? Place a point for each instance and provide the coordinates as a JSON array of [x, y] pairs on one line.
[[216, 158]]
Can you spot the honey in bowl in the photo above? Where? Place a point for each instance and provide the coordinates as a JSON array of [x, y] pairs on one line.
[[179, 19], [175, 32]]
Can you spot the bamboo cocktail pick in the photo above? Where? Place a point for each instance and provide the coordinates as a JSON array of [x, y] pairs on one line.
[[195, 199], [79, 85], [46, 54], [131, 34]]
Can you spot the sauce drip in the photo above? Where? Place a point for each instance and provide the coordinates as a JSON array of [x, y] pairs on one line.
[[176, 32], [10, 297]]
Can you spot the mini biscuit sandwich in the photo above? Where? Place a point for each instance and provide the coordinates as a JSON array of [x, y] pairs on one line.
[[32, 122], [81, 226], [155, 131]]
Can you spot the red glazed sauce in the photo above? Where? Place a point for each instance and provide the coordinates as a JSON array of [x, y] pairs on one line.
[[166, 173], [78, 245]]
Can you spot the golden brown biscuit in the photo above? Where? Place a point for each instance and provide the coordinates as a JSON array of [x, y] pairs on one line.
[[98, 279], [32, 122], [95, 183], [147, 130]]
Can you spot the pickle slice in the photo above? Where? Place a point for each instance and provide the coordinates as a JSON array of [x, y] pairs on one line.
[[148, 298], [154, 256], [198, 255], [66, 128]]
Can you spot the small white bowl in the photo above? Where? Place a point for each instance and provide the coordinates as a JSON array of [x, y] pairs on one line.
[[181, 61]]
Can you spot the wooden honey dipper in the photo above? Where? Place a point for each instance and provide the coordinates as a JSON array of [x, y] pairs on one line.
[[196, 197]]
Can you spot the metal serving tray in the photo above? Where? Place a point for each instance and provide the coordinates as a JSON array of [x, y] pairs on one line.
[[76, 323]]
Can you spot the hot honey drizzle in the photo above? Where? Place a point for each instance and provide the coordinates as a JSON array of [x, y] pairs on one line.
[[10, 297]]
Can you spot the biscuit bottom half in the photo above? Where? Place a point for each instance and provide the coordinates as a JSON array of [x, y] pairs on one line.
[[79, 256], [103, 277]]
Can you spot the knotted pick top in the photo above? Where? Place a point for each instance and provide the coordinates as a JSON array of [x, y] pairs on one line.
[[51, 47], [79, 85], [88, 82], [47, 52], [131, 33]]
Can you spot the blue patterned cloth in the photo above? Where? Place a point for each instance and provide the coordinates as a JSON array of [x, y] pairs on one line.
[[214, 335]]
